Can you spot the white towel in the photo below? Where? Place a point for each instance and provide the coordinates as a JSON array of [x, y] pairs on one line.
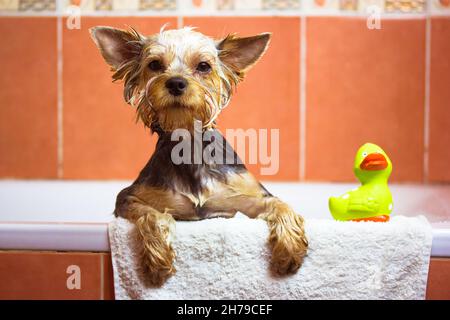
[[228, 259]]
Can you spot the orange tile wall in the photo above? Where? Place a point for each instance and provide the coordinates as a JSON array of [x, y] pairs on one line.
[[28, 98], [43, 275], [359, 85], [364, 85], [439, 154]]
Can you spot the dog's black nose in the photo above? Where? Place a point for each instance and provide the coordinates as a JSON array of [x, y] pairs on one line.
[[176, 86]]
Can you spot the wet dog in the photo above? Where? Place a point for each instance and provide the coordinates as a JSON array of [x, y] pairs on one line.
[[178, 79]]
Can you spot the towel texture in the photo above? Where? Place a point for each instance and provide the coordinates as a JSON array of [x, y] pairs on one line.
[[229, 259]]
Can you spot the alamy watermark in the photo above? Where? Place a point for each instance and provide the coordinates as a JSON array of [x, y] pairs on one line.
[[254, 146], [73, 12], [373, 21], [73, 281]]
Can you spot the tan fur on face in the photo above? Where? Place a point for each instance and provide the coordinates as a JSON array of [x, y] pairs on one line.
[[177, 112], [179, 52]]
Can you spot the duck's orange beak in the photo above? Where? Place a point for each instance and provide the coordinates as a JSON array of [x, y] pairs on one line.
[[373, 162]]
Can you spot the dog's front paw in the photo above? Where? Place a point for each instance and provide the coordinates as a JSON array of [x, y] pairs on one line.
[[288, 242], [157, 254], [158, 264]]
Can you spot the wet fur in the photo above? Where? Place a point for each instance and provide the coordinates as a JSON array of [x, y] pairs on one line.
[[164, 191]]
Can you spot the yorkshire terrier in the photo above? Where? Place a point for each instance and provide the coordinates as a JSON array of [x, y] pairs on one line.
[[176, 78]]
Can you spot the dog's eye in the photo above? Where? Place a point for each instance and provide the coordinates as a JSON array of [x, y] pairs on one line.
[[155, 65], [203, 67]]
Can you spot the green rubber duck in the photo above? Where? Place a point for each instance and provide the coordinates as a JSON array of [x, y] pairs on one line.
[[372, 201]]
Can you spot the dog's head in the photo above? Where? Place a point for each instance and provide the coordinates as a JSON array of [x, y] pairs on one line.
[[177, 76]]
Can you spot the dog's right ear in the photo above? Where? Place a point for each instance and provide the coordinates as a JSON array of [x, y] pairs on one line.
[[117, 46]]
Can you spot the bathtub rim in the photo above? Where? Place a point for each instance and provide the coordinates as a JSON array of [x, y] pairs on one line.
[[93, 237], [78, 233]]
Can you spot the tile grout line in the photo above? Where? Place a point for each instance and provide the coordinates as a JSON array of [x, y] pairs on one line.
[[302, 93], [426, 131], [60, 138], [102, 277], [180, 21], [179, 16]]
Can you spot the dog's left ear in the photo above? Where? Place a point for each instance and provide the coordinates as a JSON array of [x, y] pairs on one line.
[[117, 46], [240, 54]]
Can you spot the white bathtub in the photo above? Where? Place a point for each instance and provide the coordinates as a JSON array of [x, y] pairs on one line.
[[73, 216]]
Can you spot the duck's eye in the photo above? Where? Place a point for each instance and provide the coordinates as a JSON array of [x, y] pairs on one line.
[[203, 67], [155, 65], [364, 154]]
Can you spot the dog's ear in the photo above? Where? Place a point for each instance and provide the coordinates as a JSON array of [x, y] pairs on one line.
[[240, 54], [117, 46]]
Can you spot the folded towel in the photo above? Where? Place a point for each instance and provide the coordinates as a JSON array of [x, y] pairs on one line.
[[229, 259]]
